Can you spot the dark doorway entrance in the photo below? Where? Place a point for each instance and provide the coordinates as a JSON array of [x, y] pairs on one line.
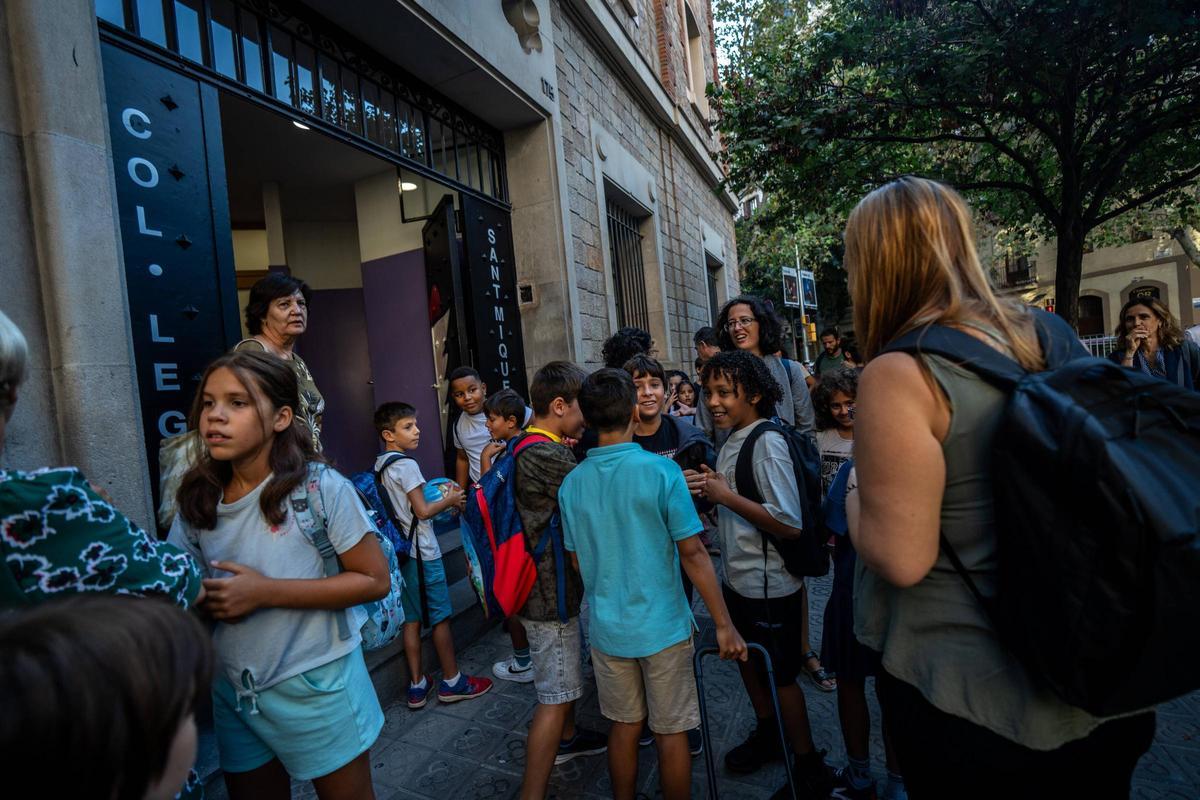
[[1091, 316], [443, 281]]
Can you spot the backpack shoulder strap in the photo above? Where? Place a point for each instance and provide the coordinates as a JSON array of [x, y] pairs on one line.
[[528, 439], [1058, 340], [552, 536], [964, 350], [382, 491], [743, 471], [250, 342], [309, 510], [392, 458]]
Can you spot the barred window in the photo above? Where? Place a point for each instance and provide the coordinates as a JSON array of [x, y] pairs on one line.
[[628, 268]]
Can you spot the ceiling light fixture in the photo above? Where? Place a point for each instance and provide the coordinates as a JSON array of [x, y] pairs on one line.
[[301, 125], [405, 186]]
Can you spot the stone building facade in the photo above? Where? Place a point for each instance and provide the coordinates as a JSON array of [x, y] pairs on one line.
[[629, 119], [547, 159], [1112, 276]]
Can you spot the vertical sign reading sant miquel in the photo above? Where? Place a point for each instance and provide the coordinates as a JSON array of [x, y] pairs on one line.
[[175, 234], [497, 347]]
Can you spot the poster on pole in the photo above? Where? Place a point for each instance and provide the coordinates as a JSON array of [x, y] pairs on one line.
[[791, 288], [808, 289]]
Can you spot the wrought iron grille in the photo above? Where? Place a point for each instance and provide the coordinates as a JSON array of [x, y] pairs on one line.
[[286, 52], [628, 269]]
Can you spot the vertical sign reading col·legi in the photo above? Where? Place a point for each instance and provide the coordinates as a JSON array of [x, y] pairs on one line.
[[175, 234], [496, 345]]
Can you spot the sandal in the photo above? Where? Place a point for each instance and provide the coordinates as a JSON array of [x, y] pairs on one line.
[[824, 680]]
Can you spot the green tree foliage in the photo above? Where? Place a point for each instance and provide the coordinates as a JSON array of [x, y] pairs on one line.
[[1063, 113], [813, 242]]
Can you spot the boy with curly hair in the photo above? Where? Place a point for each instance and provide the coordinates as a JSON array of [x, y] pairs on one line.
[[765, 601]]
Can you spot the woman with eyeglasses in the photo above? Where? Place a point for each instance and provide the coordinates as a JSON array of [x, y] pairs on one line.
[[747, 323]]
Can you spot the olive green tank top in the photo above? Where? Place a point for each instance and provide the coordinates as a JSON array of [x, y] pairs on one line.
[[934, 635]]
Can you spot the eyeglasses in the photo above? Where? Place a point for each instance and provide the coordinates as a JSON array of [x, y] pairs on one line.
[[742, 322]]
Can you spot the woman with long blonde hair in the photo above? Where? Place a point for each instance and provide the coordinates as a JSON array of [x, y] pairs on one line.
[[967, 717]]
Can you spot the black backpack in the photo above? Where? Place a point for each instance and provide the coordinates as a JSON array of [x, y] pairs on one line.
[[804, 556], [1097, 494]]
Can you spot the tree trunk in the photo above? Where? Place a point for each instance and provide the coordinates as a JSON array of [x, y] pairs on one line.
[[1069, 272], [1182, 234]]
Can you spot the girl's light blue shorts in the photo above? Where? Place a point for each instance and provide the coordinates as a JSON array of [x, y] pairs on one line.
[[314, 723]]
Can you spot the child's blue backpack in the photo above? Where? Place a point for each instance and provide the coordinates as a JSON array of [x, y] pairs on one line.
[[380, 620], [503, 570], [369, 484]]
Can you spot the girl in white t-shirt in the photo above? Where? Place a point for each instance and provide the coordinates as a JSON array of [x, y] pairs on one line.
[[833, 404], [292, 696]]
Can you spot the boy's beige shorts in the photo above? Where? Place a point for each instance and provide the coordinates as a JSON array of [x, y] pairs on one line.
[[661, 686]]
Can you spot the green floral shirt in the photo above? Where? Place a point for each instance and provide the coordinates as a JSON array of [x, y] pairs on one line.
[[58, 537]]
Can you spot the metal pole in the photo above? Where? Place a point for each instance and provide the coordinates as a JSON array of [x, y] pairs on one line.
[[803, 310], [792, 321]]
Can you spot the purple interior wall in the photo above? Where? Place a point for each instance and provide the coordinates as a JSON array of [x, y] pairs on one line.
[[333, 347], [398, 337]]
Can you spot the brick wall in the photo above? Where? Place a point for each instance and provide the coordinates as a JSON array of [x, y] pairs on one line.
[[590, 93]]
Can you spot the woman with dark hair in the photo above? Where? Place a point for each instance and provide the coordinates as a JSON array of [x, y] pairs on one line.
[[747, 323], [276, 316], [1149, 339]]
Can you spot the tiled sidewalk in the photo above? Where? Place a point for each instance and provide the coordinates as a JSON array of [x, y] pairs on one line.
[[476, 750]]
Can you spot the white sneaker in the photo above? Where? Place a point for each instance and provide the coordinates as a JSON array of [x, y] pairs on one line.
[[507, 670]]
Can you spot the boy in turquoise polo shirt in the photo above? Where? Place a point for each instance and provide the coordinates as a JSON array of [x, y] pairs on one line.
[[629, 550]]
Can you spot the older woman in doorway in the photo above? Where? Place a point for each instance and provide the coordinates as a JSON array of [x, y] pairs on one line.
[[276, 316], [1149, 339]]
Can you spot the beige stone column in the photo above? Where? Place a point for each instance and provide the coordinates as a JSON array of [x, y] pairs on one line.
[[76, 315]]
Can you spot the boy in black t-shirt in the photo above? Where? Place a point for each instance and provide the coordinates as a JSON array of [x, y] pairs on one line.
[[657, 431]]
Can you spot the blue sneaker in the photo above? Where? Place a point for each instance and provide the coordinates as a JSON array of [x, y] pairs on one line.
[[418, 696], [468, 688]]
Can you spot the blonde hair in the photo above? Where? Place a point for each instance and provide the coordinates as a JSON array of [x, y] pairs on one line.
[[910, 251]]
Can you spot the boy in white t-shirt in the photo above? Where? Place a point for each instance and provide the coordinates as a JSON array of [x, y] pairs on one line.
[[765, 601], [405, 485]]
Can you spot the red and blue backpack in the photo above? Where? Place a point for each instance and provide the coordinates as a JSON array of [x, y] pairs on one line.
[[503, 569]]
